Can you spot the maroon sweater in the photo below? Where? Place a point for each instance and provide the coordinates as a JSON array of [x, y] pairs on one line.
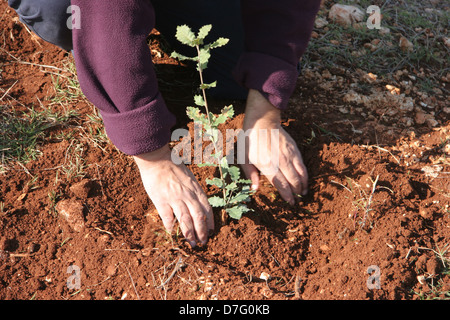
[[115, 71]]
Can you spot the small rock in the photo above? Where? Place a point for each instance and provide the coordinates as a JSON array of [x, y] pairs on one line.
[[431, 122], [343, 110], [32, 247], [72, 212], [320, 23], [265, 276], [405, 45], [421, 279], [384, 30], [433, 265], [426, 213], [392, 89], [345, 15], [421, 117], [81, 189]]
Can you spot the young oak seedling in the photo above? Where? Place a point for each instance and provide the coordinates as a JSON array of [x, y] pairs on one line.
[[235, 192]]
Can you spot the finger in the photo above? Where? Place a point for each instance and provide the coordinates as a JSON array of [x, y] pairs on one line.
[[208, 210], [283, 187], [199, 218], [293, 178], [167, 217], [252, 173], [303, 172], [203, 200], [184, 218]]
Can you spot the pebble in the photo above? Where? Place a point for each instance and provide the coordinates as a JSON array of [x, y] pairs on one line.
[[72, 212], [345, 15]]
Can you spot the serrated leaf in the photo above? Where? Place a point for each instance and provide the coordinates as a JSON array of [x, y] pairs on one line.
[[181, 57], [231, 186], [203, 58], [234, 173], [215, 182], [208, 85], [194, 114], [204, 31], [227, 113], [216, 201], [224, 166], [218, 43], [241, 197], [236, 212], [207, 164], [185, 35], [198, 99]]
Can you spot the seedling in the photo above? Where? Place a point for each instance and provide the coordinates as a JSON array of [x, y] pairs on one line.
[[364, 202], [234, 190]]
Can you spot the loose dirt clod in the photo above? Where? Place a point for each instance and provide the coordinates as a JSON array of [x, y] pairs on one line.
[[81, 189], [72, 212]]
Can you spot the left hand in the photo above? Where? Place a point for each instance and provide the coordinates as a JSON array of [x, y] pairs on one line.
[[285, 170]]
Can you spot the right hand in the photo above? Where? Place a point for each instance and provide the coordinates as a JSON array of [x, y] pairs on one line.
[[174, 191]]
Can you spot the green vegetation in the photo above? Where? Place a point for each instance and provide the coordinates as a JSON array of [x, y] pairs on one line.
[[235, 191]]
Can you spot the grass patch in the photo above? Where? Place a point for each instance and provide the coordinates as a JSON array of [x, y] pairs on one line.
[[21, 133], [422, 23]]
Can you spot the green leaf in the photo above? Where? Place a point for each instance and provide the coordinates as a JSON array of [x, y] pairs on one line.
[[231, 186], [215, 182], [224, 166], [218, 43], [245, 181], [207, 164], [203, 32], [240, 197], [208, 85], [216, 201], [203, 58], [181, 57], [235, 173], [185, 35], [236, 212], [194, 114], [198, 99], [227, 113]]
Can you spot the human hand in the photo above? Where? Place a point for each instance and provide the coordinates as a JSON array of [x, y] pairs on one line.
[[280, 161], [175, 191]]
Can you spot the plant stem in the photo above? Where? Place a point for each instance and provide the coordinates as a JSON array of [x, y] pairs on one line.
[[200, 71]]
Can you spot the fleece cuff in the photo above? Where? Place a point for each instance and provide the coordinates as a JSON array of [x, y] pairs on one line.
[[273, 77]]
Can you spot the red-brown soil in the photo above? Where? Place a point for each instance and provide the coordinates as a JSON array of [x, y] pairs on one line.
[[320, 248]]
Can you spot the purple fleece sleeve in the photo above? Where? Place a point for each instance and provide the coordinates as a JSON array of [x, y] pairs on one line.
[[116, 74], [276, 36]]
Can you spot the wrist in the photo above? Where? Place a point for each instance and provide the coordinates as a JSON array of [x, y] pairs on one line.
[[152, 158], [259, 110]]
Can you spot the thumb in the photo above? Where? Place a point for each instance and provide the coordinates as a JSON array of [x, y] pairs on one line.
[[252, 173]]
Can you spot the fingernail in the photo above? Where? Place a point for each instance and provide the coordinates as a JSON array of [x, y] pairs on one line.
[[254, 187], [305, 192]]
